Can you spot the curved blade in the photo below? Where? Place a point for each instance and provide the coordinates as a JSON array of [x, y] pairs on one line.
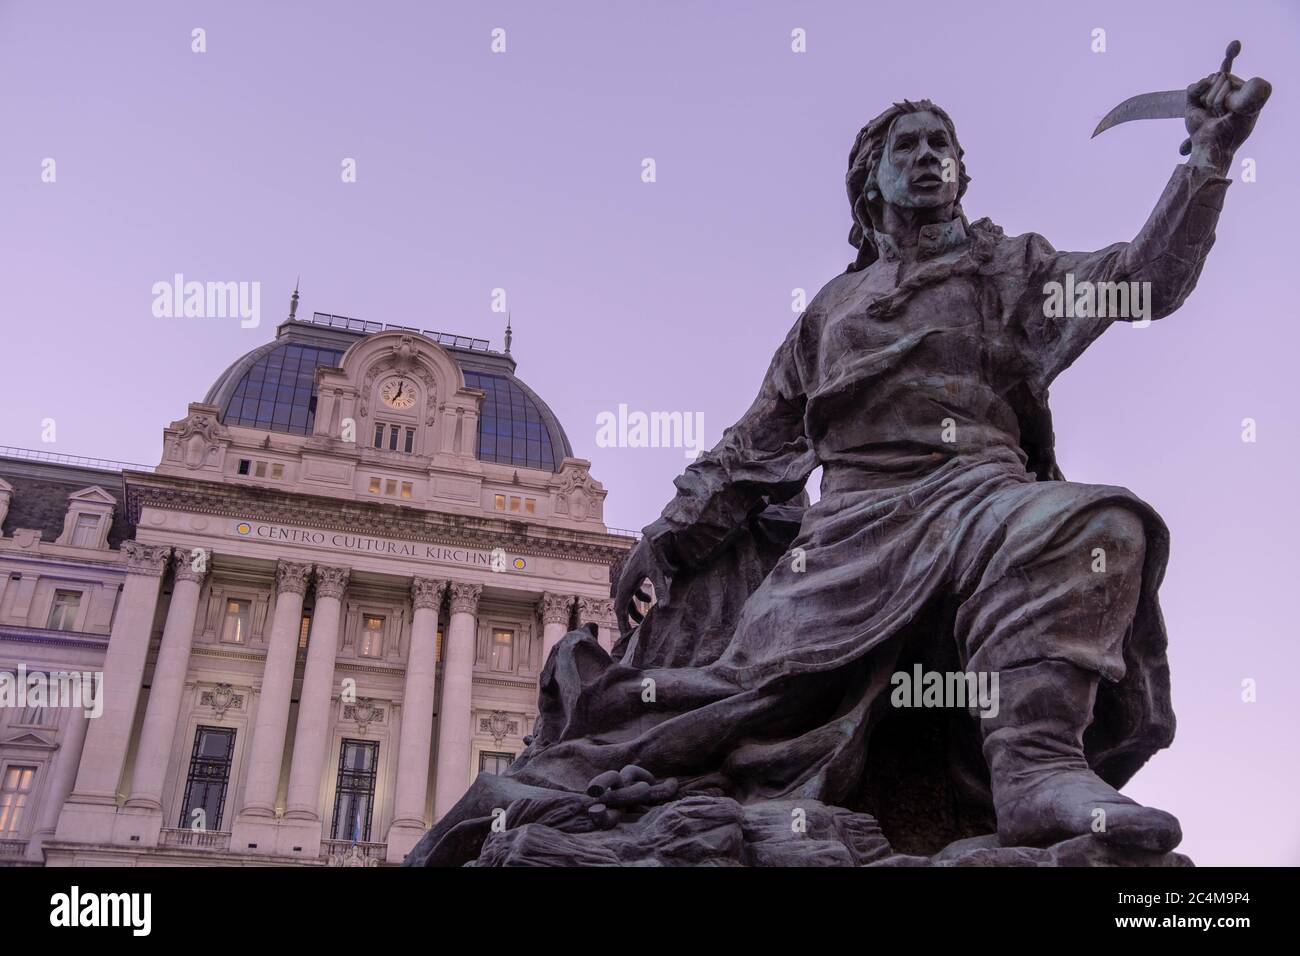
[[1168, 104]]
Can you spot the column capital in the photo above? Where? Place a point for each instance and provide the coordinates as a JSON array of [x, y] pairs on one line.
[[597, 610], [291, 577], [464, 597], [145, 558], [331, 582], [554, 608], [427, 593], [189, 566]]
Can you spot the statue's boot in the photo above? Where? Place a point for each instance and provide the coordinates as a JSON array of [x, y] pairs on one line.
[[1043, 789]]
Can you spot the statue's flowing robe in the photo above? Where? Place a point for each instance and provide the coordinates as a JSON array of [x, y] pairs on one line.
[[920, 387]]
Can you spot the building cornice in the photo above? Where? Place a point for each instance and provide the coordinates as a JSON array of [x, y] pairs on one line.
[[364, 517]]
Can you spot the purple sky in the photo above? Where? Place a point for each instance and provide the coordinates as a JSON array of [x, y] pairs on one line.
[[523, 171]]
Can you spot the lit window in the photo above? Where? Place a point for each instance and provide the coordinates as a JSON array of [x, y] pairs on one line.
[[63, 610], [503, 650], [530, 506], [494, 763], [437, 648], [235, 630], [85, 533], [374, 486], [14, 791], [304, 632], [372, 636], [514, 503], [277, 472], [500, 502], [406, 489]]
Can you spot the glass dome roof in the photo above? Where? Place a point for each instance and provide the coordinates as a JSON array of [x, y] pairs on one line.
[[273, 388]]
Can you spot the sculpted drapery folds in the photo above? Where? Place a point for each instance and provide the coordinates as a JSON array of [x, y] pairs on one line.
[[945, 539]]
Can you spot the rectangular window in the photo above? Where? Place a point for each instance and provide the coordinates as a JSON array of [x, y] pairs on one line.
[[392, 438], [244, 466], [85, 533], [15, 790], [205, 785], [494, 763], [379, 434], [35, 716], [374, 486], [390, 486], [503, 650], [260, 471], [235, 629], [437, 648], [530, 506], [406, 489], [500, 502], [277, 471], [372, 635], [410, 440], [354, 796], [63, 610], [304, 632], [514, 503]]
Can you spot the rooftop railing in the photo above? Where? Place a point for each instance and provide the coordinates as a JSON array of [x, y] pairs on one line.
[[99, 464], [349, 324]]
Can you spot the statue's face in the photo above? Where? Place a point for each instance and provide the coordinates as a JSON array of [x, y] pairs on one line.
[[912, 169]]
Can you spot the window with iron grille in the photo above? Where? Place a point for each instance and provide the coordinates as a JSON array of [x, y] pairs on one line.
[[354, 796], [494, 763], [209, 776]]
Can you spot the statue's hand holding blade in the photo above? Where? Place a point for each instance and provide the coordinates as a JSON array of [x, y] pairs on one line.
[[1220, 110]]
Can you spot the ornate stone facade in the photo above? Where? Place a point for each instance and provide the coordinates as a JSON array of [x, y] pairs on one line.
[[277, 606]]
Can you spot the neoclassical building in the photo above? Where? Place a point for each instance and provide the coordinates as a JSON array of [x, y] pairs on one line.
[[318, 617]]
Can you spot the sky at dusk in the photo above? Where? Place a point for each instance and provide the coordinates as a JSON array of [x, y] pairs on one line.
[[522, 171]]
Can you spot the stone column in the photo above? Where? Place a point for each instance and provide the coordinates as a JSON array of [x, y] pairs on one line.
[[454, 717], [417, 720], [554, 610], [273, 702], [62, 775], [88, 816], [159, 730], [599, 611], [313, 738]]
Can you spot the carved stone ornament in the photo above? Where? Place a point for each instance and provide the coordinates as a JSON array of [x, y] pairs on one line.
[[498, 724], [331, 582], [196, 440], [364, 712], [596, 610], [291, 577], [554, 608], [221, 698], [427, 594], [191, 564], [576, 494], [464, 597], [145, 558]]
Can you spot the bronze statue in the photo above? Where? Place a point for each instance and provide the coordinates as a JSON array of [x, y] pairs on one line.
[[759, 686]]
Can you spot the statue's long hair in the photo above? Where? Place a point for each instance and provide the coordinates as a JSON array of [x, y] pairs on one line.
[[864, 164]]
